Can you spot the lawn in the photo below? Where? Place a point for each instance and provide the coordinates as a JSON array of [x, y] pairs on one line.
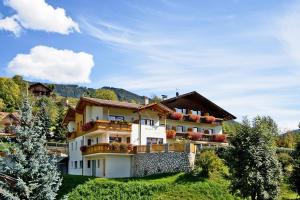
[[161, 187], [174, 186]]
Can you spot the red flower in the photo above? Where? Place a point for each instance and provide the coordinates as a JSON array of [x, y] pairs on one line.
[[171, 134], [176, 116], [195, 135], [210, 119], [194, 118], [219, 138], [83, 148]]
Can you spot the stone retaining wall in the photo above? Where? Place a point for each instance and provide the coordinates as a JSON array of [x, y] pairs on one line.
[[146, 164]]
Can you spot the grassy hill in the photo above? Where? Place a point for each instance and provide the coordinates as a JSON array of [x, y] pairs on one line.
[[178, 186], [166, 187]]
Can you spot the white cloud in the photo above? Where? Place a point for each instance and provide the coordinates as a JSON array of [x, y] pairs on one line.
[[10, 24], [38, 15], [47, 63]]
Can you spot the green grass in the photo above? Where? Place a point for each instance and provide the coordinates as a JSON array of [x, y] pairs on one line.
[[167, 187], [3, 146]]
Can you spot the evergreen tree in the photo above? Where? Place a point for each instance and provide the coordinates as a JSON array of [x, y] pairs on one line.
[[295, 176], [59, 130], [255, 170], [27, 161], [44, 116]]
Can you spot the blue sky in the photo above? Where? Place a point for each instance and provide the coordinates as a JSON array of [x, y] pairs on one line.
[[243, 55]]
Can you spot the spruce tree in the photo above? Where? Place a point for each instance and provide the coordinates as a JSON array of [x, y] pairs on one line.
[[27, 161], [255, 170], [59, 130]]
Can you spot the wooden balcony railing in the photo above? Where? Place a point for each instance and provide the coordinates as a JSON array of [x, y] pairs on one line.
[[107, 125], [129, 149], [107, 148], [195, 136], [196, 118]]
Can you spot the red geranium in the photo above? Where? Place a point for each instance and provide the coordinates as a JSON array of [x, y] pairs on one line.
[[195, 135], [194, 118], [83, 148], [176, 116], [171, 134], [219, 138], [210, 119]]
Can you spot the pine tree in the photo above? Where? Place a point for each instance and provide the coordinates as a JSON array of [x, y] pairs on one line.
[[255, 170], [295, 176], [27, 161], [59, 130]]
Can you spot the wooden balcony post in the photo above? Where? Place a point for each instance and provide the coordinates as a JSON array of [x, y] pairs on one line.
[[166, 147], [149, 148]]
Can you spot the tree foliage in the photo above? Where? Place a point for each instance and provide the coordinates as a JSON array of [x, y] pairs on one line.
[[208, 164], [10, 94], [21, 83], [27, 161], [255, 170], [59, 131], [104, 94]]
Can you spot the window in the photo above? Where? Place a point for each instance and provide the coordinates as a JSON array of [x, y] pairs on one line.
[[151, 140], [98, 163], [72, 166], [81, 164], [72, 146], [196, 112], [75, 164], [195, 129], [88, 164], [115, 139], [180, 129], [97, 140], [149, 122], [128, 140], [76, 145], [81, 142], [181, 110], [116, 118], [89, 142]]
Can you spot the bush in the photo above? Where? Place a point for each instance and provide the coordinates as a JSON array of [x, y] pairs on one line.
[[208, 164], [286, 161]]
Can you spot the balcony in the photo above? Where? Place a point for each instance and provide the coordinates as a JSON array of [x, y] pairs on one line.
[[107, 148], [206, 138], [107, 126], [123, 148], [71, 135], [196, 118]]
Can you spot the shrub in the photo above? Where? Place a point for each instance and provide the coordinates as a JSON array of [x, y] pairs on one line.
[[171, 134], [208, 164], [195, 136], [176, 116], [194, 118], [286, 161], [219, 138]]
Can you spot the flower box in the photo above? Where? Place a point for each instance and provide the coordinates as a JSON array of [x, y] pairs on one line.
[[195, 136], [220, 138], [210, 119], [194, 118], [176, 116], [83, 148], [171, 134]]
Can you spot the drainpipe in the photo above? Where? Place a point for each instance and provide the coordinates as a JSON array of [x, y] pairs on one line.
[[140, 129]]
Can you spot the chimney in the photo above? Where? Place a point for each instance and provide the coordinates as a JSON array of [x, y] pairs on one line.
[[146, 100], [164, 97], [177, 94]]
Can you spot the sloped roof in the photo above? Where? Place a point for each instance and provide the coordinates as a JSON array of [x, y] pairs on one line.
[[39, 84], [195, 101]]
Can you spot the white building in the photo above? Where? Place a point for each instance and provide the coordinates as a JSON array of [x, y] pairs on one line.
[[105, 135]]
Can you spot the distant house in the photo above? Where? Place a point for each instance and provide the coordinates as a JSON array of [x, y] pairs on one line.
[[39, 89], [7, 122]]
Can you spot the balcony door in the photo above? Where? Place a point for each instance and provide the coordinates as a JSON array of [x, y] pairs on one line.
[[93, 167]]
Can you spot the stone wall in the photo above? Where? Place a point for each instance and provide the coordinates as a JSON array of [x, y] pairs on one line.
[[146, 164]]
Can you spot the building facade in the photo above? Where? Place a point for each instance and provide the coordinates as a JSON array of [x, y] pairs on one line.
[[110, 138]]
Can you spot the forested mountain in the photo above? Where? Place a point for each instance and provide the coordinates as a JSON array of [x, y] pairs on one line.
[[67, 90]]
